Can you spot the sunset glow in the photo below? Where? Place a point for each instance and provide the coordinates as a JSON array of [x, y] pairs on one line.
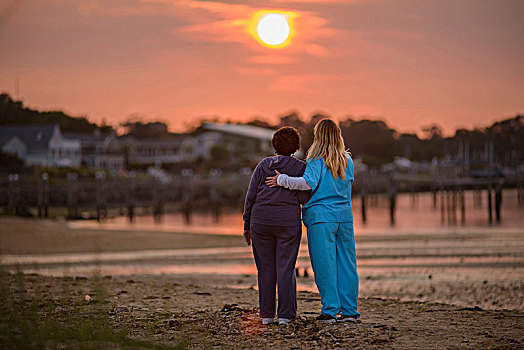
[[411, 63], [273, 28]]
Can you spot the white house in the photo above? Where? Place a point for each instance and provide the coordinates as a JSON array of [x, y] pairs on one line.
[[176, 148], [42, 145], [241, 141], [100, 151]]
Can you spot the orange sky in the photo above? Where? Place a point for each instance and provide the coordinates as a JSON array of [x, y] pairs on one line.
[[409, 62]]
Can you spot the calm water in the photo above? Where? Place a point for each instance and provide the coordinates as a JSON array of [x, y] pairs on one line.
[[420, 258], [411, 217]]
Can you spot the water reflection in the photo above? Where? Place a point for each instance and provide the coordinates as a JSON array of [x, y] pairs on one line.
[[418, 259], [412, 216], [497, 250]]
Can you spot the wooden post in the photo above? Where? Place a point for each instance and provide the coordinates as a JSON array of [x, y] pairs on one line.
[[214, 194], [9, 193], [490, 214], [392, 200], [13, 191], [490, 170], [187, 194], [40, 197], [434, 194], [462, 207], [130, 203], [412, 194], [72, 202], [157, 201], [392, 208], [448, 206], [101, 210], [363, 201], [498, 201], [442, 206], [45, 194], [454, 206]]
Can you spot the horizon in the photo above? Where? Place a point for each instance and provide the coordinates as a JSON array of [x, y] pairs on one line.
[[408, 63], [199, 121]]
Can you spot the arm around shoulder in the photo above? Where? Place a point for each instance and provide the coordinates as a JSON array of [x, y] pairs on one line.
[[293, 183]]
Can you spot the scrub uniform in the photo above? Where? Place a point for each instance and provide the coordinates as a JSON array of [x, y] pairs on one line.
[[329, 220]]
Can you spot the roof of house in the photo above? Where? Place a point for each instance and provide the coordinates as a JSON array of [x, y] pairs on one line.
[[35, 137], [85, 136], [241, 130], [170, 140]]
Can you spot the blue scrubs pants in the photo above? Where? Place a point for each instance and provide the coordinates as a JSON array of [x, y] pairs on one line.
[[334, 262]]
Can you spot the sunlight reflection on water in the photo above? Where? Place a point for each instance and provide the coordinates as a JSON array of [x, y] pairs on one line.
[[418, 217]]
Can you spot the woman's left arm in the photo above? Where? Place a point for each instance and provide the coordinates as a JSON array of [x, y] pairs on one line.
[[251, 196]]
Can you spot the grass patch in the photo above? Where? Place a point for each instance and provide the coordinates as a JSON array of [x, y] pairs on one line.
[[33, 318]]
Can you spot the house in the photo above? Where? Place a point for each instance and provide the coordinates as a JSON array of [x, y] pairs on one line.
[[240, 142], [175, 148], [42, 145], [101, 151]]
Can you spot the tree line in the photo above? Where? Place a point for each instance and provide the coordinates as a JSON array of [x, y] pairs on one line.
[[376, 143], [373, 141]]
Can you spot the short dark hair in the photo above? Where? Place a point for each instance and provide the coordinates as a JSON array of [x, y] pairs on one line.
[[286, 141]]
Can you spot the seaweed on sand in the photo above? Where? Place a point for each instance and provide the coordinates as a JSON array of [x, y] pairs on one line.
[[29, 318]]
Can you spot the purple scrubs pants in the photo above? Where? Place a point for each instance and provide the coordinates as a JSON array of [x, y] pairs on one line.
[[275, 249]]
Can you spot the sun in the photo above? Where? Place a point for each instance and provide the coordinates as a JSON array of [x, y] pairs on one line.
[[273, 28]]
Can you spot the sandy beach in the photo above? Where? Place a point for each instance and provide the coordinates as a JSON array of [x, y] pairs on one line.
[[172, 311], [446, 290]]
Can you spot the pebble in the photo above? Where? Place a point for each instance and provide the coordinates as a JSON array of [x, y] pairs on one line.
[[121, 309]]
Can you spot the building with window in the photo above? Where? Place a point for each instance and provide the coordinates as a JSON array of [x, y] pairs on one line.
[[240, 142], [42, 145]]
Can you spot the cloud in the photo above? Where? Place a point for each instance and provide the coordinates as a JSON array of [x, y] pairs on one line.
[[304, 83], [234, 22], [221, 22], [316, 50], [122, 8], [255, 71], [272, 59]]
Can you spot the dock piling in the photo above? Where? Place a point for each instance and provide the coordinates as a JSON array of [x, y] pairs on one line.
[[462, 207], [498, 201], [490, 213]]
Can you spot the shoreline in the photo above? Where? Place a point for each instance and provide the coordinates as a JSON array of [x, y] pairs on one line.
[[471, 269]]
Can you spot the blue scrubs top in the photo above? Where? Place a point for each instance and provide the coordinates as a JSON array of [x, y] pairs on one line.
[[331, 198]]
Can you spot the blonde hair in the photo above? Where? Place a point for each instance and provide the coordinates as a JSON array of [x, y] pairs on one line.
[[329, 144]]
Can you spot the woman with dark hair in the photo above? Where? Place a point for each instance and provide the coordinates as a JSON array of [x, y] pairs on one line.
[[272, 222]]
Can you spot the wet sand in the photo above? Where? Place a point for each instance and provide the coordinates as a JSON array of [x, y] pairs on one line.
[[175, 286], [32, 236]]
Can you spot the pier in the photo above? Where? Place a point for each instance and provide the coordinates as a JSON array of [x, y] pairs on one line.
[[101, 195]]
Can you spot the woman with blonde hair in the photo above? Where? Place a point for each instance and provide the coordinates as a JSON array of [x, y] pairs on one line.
[[329, 221]]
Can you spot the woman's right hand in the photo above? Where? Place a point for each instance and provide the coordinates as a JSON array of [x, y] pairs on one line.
[[247, 237]]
